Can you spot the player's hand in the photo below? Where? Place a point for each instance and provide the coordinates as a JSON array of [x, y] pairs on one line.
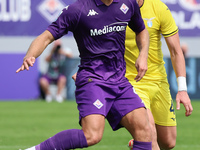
[[182, 97], [141, 67], [74, 76], [26, 64]]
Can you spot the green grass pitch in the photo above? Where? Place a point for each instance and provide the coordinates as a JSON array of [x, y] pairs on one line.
[[24, 124]]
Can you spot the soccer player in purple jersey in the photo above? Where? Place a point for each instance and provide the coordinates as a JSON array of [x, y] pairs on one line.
[[102, 91]]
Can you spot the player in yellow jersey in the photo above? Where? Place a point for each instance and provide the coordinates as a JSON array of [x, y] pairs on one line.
[[154, 88]]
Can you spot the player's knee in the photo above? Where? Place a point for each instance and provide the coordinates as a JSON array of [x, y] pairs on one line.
[[143, 134], [96, 139], [93, 138], [168, 145]]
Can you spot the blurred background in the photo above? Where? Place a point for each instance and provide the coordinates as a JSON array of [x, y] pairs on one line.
[[22, 20]]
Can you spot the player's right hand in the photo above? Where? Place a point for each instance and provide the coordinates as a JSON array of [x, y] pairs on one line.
[[26, 64], [141, 67], [74, 76]]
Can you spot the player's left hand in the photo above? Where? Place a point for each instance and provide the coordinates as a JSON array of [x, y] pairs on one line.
[[182, 97], [29, 61]]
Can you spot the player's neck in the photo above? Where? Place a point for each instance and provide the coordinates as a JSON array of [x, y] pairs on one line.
[[107, 2], [140, 2]]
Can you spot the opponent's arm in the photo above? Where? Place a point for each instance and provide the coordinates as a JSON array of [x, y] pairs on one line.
[[35, 49], [142, 40], [178, 63]]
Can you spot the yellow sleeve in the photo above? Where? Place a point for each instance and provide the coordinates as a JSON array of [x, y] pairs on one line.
[[168, 25]]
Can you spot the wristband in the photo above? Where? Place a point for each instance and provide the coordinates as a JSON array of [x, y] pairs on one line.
[[182, 86]]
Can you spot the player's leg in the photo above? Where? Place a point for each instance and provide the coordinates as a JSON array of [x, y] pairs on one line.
[[136, 122], [155, 145], [164, 115], [91, 133], [93, 127], [93, 106], [166, 136], [129, 111], [146, 90]]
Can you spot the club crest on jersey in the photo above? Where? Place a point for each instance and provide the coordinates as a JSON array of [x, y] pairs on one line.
[[98, 104], [149, 22], [124, 8]]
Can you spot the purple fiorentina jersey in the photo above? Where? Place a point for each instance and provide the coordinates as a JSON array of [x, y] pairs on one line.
[[99, 31]]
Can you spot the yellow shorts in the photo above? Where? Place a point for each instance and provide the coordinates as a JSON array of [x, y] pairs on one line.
[[156, 96]]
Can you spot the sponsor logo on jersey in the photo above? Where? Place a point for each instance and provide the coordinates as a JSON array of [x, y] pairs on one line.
[[92, 12], [98, 104], [109, 28], [50, 9], [124, 8]]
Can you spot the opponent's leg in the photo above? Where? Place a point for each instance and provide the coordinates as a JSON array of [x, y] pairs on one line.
[[166, 136], [136, 122], [155, 145]]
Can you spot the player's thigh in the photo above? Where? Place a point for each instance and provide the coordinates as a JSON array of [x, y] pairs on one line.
[[166, 135], [136, 122], [93, 127]]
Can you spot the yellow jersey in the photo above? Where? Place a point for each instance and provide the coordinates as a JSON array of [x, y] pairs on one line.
[[158, 21]]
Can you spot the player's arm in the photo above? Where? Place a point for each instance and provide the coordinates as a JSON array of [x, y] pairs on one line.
[[35, 49], [142, 40], [178, 63]]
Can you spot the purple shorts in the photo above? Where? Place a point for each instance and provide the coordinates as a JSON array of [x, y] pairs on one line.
[[112, 100]]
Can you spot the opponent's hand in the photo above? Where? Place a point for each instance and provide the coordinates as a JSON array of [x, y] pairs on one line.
[[26, 64], [141, 66], [182, 97]]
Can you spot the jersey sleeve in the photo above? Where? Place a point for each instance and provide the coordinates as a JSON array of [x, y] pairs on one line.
[[67, 21], [136, 23], [168, 25]]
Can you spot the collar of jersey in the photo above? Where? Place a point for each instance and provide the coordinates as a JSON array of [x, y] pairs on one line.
[[99, 2]]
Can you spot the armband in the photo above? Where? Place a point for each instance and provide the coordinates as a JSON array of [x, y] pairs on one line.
[[182, 86]]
